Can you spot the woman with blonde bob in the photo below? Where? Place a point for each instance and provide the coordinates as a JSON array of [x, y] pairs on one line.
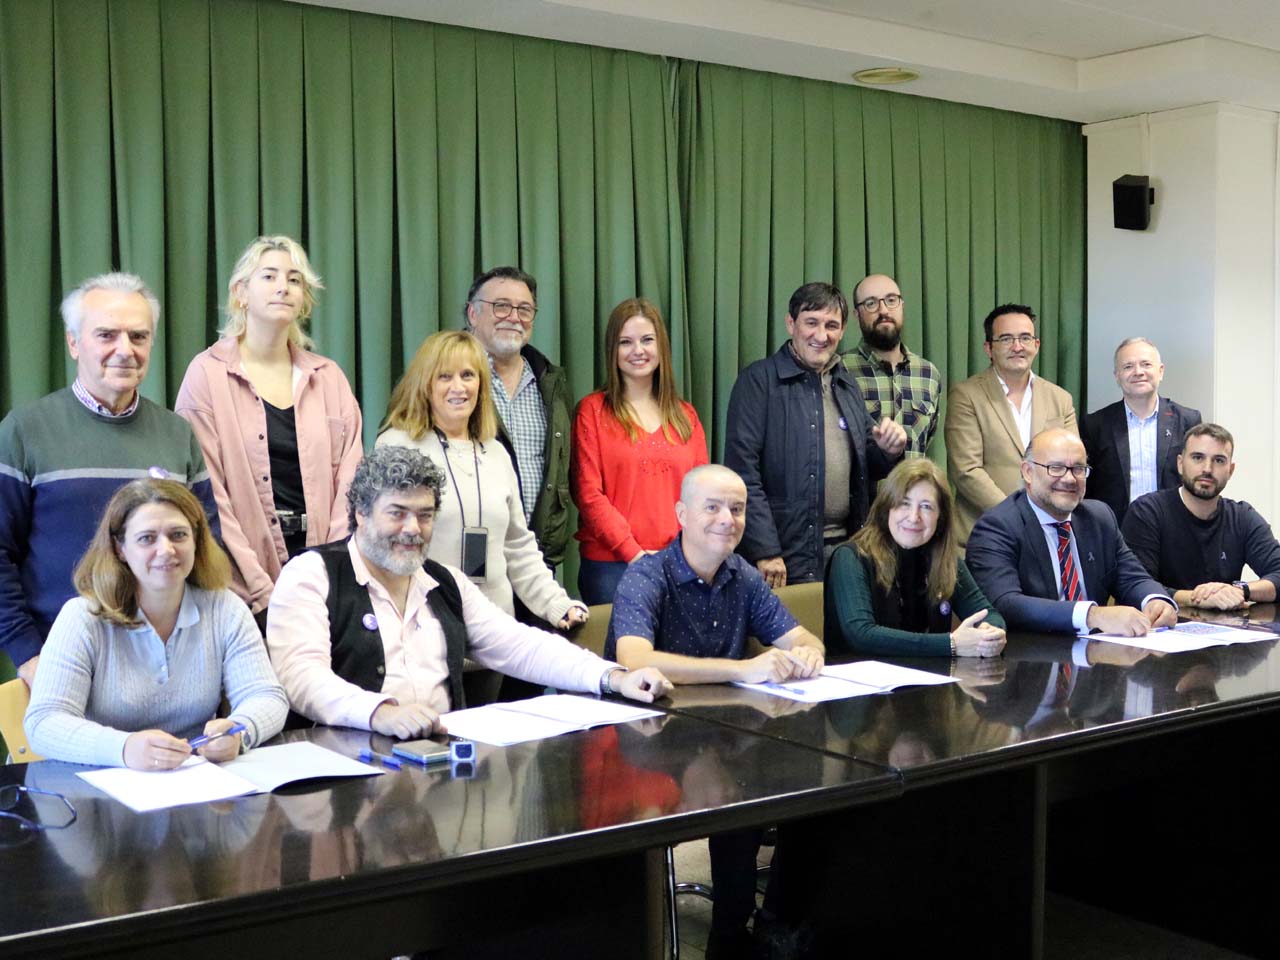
[[443, 408], [140, 660], [633, 442], [279, 425], [895, 585]]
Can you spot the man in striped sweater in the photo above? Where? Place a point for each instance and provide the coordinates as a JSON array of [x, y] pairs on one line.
[[64, 455]]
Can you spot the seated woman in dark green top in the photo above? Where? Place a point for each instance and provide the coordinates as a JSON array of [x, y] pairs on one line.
[[893, 587]]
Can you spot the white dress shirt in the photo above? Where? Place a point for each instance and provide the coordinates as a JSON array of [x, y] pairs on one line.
[[1021, 415], [413, 645]]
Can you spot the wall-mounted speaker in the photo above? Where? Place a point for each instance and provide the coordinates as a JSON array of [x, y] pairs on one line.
[[1131, 199]]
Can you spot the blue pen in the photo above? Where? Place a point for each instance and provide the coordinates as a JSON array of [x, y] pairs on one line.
[[197, 742], [373, 756]]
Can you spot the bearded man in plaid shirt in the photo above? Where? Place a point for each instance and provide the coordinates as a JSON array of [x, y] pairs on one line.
[[895, 382]]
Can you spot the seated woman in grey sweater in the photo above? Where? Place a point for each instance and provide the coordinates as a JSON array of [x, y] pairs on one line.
[[896, 585], [139, 661]]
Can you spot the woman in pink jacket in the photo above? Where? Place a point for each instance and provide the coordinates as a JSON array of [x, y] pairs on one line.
[[279, 425]]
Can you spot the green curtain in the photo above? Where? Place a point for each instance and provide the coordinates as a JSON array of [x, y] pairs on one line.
[[161, 136], [784, 181]]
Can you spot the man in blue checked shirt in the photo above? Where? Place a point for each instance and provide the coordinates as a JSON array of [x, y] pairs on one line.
[[687, 610]]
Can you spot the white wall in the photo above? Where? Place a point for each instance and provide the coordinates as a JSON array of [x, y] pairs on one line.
[[1201, 281]]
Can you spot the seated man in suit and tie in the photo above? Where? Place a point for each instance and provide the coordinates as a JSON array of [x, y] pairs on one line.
[[1048, 559], [1133, 444], [993, 415]]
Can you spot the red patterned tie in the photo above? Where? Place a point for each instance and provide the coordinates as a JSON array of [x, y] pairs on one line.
[[1070, 575], [1062, 686]]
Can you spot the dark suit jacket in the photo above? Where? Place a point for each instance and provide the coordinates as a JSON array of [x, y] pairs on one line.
[[1009, 558], [1105, 433]]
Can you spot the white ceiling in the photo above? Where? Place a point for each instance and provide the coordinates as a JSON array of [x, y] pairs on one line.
[[1085, 60]]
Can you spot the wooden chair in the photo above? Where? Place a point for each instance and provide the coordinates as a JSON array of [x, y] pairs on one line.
[[14, 697]]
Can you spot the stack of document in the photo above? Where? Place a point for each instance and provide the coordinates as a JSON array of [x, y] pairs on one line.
[[1186, 636], [839, 681], [199, 781], [502, 724]]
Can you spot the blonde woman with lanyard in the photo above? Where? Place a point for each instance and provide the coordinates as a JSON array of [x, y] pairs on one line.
[[442, 407]]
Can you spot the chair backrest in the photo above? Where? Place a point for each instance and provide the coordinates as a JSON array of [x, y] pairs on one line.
[[804, 600], [14, 697], [592, 634]]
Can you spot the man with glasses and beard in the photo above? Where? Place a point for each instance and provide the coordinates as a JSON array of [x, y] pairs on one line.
[[1196, 541], [1049, 559], [332, 600], [895, 382]]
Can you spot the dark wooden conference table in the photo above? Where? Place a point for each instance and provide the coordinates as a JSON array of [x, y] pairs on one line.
[[1140, 783], [933, 816], [550, 849]]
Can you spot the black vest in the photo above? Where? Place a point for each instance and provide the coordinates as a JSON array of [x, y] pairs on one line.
[[355, 651], [888, 606]]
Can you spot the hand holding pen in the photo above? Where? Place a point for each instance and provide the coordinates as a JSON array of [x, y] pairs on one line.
[[220, 741]]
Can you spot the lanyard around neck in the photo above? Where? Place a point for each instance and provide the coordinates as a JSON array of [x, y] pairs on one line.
[[444, 443]]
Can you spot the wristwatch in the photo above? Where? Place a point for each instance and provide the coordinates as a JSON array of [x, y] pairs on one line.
[[605, 685], [1244, 588]]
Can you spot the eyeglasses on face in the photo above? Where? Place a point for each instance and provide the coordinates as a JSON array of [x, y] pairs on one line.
[[1080, 471], [1022, 339], [502, 309], [891, 302]]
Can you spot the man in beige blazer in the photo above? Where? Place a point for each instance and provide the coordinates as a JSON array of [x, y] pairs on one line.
[[992, 416]]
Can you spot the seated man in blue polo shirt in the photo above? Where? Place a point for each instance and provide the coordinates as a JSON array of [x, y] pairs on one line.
[[687, 610]]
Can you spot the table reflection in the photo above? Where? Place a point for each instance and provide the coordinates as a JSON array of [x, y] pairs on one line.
[[1043, 688]]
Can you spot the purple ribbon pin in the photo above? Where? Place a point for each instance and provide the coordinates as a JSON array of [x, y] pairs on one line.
[[157, 473], [944, 607], [369, 621], [844, 424]]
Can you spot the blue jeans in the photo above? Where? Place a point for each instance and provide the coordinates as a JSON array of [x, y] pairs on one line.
[[598, 580]]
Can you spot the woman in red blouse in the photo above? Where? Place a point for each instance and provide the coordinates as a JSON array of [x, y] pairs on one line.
[[633, 442]]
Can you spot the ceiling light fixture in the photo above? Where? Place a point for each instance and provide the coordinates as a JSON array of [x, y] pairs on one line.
[[882, 76]]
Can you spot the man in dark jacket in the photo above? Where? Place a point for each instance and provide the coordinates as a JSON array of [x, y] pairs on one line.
[[799, 435], [1133, 444], [532, 398]]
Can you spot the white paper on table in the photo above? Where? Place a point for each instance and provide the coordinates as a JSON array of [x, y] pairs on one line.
[[816, 690], [503, 724], [491, 724], [196, 781], [583, 711], [199, 781], [884, 676], [1185, 636], [267, 768]]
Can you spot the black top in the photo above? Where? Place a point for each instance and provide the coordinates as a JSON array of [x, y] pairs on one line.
[[913, 601], [1182, 551], [286, 474]]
